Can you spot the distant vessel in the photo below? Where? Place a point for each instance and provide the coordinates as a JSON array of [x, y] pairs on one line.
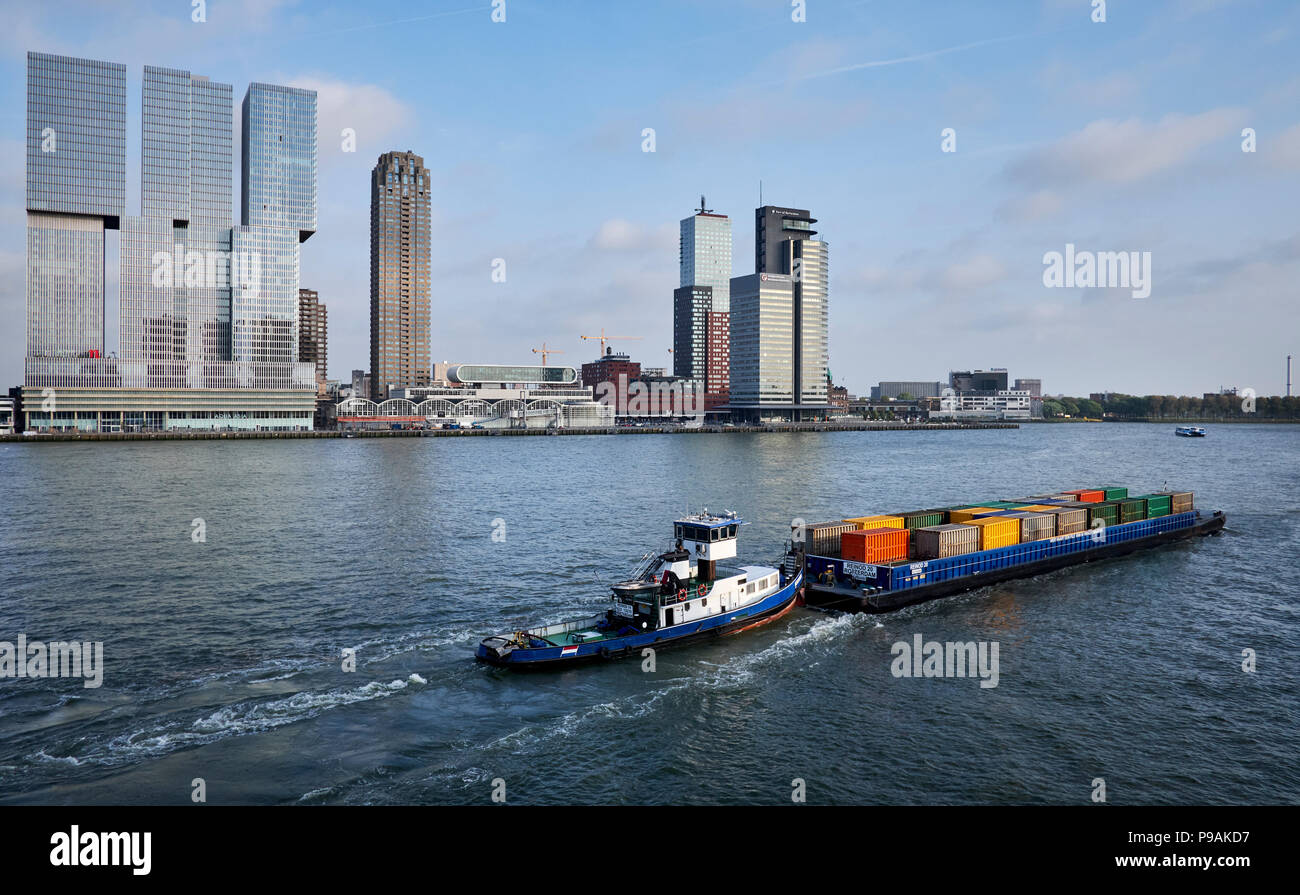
[[1190, 431], [685, 594]]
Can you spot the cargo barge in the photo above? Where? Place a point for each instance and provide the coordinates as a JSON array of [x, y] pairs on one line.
[[688, 593], [886, 562]]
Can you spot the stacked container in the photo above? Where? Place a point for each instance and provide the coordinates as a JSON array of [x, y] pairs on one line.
[[969, 513], [1088, 495], [1070, 520], [924, 518], [1034, 526], [866, 523], [823, 538], [1179, 501], [1132, 509], [942, 541], [1113, 492], [876, 545], [997, 531], [1157, 505]]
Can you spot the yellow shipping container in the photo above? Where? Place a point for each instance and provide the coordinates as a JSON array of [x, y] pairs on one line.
[[866, 523], [969, 513], [997, 531]]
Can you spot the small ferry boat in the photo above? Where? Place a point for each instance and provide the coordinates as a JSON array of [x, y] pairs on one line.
[[1190, 431], [687, 593]]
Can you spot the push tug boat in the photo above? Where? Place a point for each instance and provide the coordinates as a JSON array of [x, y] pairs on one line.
[[685, 594]]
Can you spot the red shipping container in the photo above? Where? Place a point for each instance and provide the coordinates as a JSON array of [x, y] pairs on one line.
[[876, 545], [1087, 495]]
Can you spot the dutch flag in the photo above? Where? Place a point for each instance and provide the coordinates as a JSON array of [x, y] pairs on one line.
[[569, 651]]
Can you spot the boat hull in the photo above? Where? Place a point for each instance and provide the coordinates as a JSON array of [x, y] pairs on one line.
[[765, 611], [822, 597]]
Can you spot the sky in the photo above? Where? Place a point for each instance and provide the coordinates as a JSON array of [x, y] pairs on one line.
[[1117, 136]]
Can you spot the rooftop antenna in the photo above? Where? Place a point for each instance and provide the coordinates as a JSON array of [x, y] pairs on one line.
[[703, 209], [760, 192], [1288, 375]]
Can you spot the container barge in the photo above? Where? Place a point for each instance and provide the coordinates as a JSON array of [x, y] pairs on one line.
[[886, 562]]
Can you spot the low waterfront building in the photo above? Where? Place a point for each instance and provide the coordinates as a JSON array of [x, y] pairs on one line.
[[483, 396], [913, 389], [1000, 404], [6, 416]]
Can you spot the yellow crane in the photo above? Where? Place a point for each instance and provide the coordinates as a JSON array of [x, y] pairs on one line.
[[602, 339], [546, 352]]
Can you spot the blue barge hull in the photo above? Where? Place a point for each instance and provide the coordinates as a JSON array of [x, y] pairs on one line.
[[925, 580]]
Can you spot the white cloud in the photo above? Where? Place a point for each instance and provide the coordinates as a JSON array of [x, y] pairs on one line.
[[1122, 152], [374, 113]]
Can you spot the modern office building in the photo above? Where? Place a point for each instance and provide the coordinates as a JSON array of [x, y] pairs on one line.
[[1035, 389], [484, 396], [203, 338], [702, 305], [313, 334], [399, 273], [779, 322], [991, 380], [915, 389], [1000, 404]]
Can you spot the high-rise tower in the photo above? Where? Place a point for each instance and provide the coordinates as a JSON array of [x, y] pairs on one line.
[[399, 273], [702, 304]]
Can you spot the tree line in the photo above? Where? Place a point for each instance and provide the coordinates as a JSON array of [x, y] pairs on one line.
[[1118, 406]]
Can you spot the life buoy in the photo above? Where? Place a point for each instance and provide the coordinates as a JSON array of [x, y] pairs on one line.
[[701, 590], [681, 594]]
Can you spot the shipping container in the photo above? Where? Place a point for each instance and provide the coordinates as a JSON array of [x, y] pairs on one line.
[[923, 518], [866, 523], [1106, 511], [1070, 520], [823, 538], [1132, 509], [1088, 495], [1157, 505], [942, 541], [1037, 508], [1113, 492], [997, 531], [969, 513], [1179, 501], [875, 545], [1034, 526]]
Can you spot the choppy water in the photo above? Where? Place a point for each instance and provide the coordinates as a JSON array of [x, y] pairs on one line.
[[222, 658]]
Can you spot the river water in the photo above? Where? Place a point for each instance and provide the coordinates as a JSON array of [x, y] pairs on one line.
[[222, 653]]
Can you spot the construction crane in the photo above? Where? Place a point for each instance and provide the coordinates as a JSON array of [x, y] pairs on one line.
[[602, 338], [546, 352]]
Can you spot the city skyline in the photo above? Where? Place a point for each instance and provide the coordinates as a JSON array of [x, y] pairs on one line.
[[949, 245]]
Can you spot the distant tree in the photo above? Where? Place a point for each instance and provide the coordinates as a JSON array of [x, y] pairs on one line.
[[1090, 407], [1052, 408], [906, 397], [1070, 408]]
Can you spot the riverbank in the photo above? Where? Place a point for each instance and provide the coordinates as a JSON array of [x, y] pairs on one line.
[[456, 433]]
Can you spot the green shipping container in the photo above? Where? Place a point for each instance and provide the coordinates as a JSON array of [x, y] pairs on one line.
[[1112, 492], [1157, 505], [1132, 509], [923, 518], [1107, 511]]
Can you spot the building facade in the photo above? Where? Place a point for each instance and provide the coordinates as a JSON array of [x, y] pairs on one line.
[[915, 389], [780, 322], [313, 334], [202, 339], [400, 315], [702, 305]]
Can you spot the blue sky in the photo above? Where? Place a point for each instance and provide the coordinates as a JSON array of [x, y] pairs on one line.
[[1115, 136]]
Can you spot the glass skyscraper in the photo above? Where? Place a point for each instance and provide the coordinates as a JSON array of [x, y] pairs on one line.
[[279, 159], [702, 305], [207, 310]]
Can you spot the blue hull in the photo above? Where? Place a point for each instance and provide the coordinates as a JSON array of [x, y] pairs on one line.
[[768, 609]]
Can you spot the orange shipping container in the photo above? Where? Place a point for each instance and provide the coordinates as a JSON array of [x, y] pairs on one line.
[[1088, 495], [874, 545], [997, 531], [964, 516], [866, 523]]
